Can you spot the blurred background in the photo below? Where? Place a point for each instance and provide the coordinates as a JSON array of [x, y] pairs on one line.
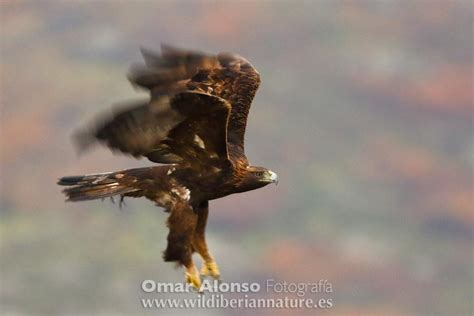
[[365, 112]]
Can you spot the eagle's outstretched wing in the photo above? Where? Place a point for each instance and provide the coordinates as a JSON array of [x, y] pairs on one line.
[[225, 75], [189, 127]]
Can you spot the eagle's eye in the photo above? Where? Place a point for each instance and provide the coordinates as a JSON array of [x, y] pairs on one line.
[[259, 174]]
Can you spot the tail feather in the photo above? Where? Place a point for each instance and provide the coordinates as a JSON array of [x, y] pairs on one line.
[[86, 179], [94, 186]]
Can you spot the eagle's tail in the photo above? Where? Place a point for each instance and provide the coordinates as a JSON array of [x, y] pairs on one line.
[[94, 186]]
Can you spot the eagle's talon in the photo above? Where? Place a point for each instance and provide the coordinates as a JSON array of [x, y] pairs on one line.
[[211, 269], [194, 280]]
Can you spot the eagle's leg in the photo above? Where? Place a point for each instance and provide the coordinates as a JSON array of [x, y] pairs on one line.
[[182, 223], [199, 243]]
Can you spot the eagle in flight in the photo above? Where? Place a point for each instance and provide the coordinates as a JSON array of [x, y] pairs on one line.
[[194, 125]]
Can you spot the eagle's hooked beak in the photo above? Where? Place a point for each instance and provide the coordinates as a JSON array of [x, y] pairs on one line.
[[273, 177]]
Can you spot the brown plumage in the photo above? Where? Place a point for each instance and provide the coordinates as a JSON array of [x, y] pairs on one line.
[[194, 123]]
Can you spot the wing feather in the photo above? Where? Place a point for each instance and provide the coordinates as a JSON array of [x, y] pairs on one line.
[[187, 128], [226, 75]]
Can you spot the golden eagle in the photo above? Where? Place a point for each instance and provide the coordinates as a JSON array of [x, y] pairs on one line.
[[194, 123]]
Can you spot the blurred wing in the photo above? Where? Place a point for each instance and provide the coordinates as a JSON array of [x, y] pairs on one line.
[[226, 75], [187, 128], [173, 67]]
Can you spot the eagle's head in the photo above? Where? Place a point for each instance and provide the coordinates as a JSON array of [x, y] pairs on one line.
[[257, 177]]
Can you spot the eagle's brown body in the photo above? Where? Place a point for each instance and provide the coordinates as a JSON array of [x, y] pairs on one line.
[[194, 123]]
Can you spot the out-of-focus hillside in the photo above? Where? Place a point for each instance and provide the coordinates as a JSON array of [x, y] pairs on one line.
[[365, 112]]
